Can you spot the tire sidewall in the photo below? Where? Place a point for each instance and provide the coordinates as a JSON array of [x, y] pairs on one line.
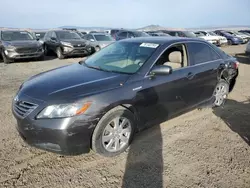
[[225, 83], [5, 59], [59, 53], [97, 145]]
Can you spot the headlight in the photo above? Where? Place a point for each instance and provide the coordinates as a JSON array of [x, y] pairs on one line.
[[9, 47], [67, 49], [63, 110], [66, 44]]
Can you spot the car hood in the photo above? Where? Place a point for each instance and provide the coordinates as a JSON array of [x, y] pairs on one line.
[[23, 43], [70, 81], [105, 43], [75, 41]]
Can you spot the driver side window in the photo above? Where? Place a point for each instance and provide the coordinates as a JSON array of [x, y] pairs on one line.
[[175, 57]]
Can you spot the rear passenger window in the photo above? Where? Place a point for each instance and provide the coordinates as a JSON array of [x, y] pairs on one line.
[[201, 53]]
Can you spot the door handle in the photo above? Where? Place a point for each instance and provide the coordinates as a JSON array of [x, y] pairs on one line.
[[190, 75]]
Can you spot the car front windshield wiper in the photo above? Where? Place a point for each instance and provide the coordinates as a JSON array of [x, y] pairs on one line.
[[101, 68]]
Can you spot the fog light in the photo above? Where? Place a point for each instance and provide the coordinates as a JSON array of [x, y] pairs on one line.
[[67, 49]]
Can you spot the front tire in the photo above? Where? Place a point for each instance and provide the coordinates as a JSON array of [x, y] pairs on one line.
[[230, 42], [221, 93], [114, 132], [6, 60], [59, 53]]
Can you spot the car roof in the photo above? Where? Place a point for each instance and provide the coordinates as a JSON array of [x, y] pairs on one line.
[[99, 33], [161, 40]]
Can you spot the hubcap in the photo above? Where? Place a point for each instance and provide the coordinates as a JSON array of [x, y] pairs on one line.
[[220, 94], [116, 134]]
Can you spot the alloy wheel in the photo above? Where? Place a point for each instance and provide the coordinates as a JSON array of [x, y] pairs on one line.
[[220, 94], [116, 134]]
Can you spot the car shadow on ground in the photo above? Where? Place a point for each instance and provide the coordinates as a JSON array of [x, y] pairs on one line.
[[243, 58], [237, 116], [144, 166]]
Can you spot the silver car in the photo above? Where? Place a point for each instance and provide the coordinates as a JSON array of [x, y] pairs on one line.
[[99, 40]]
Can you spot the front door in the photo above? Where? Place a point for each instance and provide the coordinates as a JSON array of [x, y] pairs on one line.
[[165, 95]]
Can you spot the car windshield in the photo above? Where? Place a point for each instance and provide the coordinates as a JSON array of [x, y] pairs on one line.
[[122, 57], [212, 33], [189, 34], [68, 35], [102, 37], [16, 35], [141, 34]]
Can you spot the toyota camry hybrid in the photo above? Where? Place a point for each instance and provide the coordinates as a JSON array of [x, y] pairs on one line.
[[101, 102]]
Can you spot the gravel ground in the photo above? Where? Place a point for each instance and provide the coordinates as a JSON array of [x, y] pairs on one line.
[[202, 148]]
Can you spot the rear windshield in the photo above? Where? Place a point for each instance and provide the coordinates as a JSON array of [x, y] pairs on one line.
[[141, 34], [16, 35]]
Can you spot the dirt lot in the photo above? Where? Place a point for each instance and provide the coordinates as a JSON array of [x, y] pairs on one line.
[[203, 148]]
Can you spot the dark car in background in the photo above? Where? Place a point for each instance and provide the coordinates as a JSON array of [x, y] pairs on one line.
[[230, 38], [158, 34], [124, 34], [16, 44], [99, 40], [102, 101], [114, 31], [187, 34], [65, 43], [245, 31]]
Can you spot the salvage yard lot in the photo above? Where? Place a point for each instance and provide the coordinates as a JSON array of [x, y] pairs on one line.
[[203, 148]]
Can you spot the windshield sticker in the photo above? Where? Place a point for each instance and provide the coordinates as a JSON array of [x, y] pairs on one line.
[[149, 45]]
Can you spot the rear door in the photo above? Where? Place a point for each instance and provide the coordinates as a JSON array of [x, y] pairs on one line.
[[205, 62]]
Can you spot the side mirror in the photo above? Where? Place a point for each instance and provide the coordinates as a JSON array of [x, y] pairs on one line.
[[53, 38], [92, 40], [161, 70]]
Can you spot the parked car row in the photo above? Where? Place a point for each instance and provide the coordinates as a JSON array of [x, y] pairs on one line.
[[16, 44]]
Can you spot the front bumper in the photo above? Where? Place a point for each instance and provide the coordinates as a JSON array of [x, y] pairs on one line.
[[71, 51], [67, 136], [16, 55]]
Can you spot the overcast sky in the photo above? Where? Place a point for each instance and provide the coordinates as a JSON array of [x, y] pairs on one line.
[[123, 13]]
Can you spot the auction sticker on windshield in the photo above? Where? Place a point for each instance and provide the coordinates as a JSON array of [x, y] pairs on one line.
[[149, 45]]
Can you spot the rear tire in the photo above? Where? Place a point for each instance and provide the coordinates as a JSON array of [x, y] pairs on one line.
[[59, 53], [221, 93], [114, 132], [229, 42]]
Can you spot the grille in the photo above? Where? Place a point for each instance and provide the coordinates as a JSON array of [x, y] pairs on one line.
[[26, 50], [79, 45], [23, 108]]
